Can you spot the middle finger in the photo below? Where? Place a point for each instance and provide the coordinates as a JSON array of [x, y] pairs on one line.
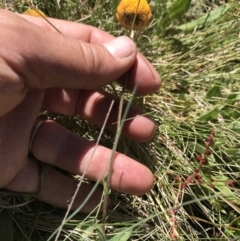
[[93, 106]]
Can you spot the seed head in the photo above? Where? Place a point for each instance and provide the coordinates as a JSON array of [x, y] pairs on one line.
[[126, 11]]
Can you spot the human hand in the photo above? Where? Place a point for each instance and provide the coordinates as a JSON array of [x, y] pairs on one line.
[[40, 68]]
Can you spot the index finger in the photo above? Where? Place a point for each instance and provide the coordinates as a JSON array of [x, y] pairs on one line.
[[142, 72]]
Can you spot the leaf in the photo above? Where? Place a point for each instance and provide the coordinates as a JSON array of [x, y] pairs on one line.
[[87, 227], [214, 91], [206, 18], [221, 186], [182, 103], [118, 235], [235, 126], [122, 236], [231, 113], [178, 8], [233, 97], [234, 151], [210, 115], [101, 235]]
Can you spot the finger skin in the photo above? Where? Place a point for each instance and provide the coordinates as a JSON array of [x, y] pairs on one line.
[[15, 131], [141, 74], [21, 174], [56, 60], [41, 59], [55, 188], [94, 106], [57, 146]]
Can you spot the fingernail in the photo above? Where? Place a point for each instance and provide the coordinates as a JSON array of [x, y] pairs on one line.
[[121, 47]]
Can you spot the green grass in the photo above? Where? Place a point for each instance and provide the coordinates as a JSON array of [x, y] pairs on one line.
[[197, 56]]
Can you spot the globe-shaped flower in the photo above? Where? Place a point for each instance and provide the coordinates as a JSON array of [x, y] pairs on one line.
[[126, 11]]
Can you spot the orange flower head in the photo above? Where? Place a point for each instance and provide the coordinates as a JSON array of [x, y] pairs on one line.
[[126, 11], [34, 13]]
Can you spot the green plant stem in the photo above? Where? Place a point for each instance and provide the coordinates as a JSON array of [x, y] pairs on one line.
[[107, 179]]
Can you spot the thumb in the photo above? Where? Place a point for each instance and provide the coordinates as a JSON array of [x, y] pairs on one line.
[[43, 58], [79, 65], [33, 57]]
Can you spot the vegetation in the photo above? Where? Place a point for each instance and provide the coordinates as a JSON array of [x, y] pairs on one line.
[[195, 155]]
